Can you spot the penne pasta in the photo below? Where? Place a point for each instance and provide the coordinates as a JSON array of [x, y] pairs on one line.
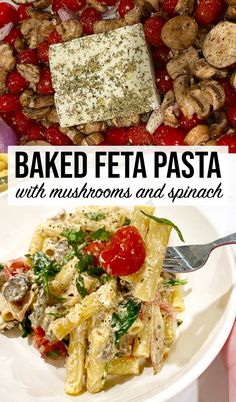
[[142, 340], [5, 309], [124, 366]]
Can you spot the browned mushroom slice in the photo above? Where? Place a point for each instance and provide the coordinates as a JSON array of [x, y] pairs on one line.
[[75, 135], [201, 105], [203, 70], [39, 101], [37, 143], [183, 63], [134, 15], [198, 135], [3, 76], [179, 32], [108, 25], [70, 30], [30, 73], [89, 128], [96, 4], [52, 116], [39, 15], [36, 114], [233, 80], [231, 2], [16, 288], [36, 31], [7, 59], [41, 4], [25, 97], [214, 93], [93, 139], [184, 7], [219, 46], [126, 121], [170, 109], [231, 13], [220, 125]]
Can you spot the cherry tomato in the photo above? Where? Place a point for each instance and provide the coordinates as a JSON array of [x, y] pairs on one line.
[[36, 132], [163, 81], [125, 6], [52, 350], [95, 248], [231, 116], [125, 254], [161, 55], [74, 5], [108, 2], [44, 85], [55, 137], [169, 7], [28, 56], [21, 123], [87, 19], [138, 135], [152, 28], [15, 83], [8, 13], [54, 38], [15, 267], [188, 124], [230, 93], [9, 103], [166, 135], [13, 35], [230, 141], [56, 5], [116, 136], [22, 12], [209, 11], [43, 49]]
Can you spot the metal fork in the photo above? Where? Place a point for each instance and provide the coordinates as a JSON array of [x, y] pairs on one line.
[[190, 258]]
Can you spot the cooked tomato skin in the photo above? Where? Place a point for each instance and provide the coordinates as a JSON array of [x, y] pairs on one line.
[[45, 347], [95, 248], [125, 254], [15, 267]]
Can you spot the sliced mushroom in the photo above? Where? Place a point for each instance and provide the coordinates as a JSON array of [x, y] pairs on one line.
[[38, 143], [210, 143], [16, 288], [75, 135], [3, 76], [93, 139], [155, 120], [7, 59], [40, 101], [179, 32], [233, 80], [108, 25], [184, 7], [89, 128], [198, 135], [30, 73], [183, 63], [7, 325], [41, 4], [214, 93], [126, 121], [220, 125], [26, 96], [202, 106], [231, 2], [134, 15], [231, 13], [39, 15], [52, 116], [36, 31], [170, 110], [36, 114], [219, 46], [96, 4], [70, 30], [203, 70]]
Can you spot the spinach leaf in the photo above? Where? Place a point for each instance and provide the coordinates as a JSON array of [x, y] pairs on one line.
[[1, 267], [127, 221], [124, 317], [165, 222], [95, 216], [96, 272], [44, 270], [74, 237], [85, 261], [106, 278], [80, 286], [175, 282], [100, 234], [26, 327]]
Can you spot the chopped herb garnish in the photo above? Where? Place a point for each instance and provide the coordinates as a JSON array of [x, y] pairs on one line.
[[58, 315], [179, 322], [124, 317], [95, 216], [74, 237], [1, 267], [53, 354], [44, 270], [85, 261], [100, 234], [80, 286], [26, 327], [165, 222], [106, 278], [95, 271], [68, 257], [127, 221], [175, 282]]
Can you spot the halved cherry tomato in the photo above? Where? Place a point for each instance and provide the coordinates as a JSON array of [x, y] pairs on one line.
[[15, 267], [8, 13], [52, 350], [125, 254], [95, 248]]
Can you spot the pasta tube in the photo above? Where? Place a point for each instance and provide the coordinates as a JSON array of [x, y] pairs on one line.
[[76, 361], [142, 341], [124, 366]]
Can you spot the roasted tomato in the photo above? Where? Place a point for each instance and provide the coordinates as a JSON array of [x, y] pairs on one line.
[[15, 267], [95, 248], [125, 254], [52, 350]]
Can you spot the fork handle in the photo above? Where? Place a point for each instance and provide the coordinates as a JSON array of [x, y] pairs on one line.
[[230, 239]]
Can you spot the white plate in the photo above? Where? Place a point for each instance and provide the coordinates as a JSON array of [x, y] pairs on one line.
[[210, 312]]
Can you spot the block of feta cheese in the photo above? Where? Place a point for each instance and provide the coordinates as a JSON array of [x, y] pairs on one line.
[[103, 76]]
